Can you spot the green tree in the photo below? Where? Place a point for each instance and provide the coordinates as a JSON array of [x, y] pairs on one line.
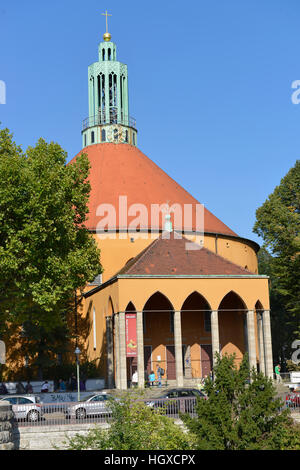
[[135, 426], [282, 327], [241, 411], [46, 252], [278, 223]]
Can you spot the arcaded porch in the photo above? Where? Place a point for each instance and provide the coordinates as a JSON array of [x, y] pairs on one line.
[[182, 336]]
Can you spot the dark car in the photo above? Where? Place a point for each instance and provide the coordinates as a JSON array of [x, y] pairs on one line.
[[173, 401]]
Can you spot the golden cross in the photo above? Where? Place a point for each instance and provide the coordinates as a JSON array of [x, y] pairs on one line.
[[106, 14]]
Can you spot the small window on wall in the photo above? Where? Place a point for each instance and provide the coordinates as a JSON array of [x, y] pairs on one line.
[[207, 321], [92, 137], [103, 135], [85, 140]]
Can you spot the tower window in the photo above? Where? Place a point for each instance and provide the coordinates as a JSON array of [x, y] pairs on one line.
[[133, 138], [103, 54], [109, 54], [116, 134], [92, 137], [85, 140], [126, 136], [103, 135]]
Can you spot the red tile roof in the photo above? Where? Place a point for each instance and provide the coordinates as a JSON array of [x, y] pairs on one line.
[[171, 257], [123, 170]]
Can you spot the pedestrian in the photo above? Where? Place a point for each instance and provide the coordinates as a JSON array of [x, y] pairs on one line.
[[28, 387], [159, 372], [82, 385], [277, 373], [73, 383], [3, 389], [134, 378], [61, 385], [151, 378], [20, 387], [45, 387]]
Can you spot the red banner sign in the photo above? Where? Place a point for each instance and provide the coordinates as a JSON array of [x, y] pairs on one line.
[[131, 343]]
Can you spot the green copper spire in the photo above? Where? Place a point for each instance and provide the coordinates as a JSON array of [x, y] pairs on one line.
[[109, 119]]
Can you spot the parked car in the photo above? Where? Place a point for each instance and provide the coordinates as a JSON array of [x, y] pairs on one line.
[[173, 400], [92, 405], [292, 400], [25, 407]]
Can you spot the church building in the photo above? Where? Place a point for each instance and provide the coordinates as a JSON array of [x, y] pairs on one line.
[[178, 285]]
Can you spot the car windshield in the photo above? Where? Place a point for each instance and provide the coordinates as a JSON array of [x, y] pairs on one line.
[[93, 395], [87, 398]]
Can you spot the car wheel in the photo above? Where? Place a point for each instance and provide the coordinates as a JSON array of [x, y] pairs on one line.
[[33, 416], [81, 413]]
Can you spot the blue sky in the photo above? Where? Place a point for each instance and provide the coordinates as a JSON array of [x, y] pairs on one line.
[[209, 85]]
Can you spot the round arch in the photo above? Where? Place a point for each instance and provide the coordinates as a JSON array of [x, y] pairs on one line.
[[258, 306], [130, 307], [232, 325], [195, 298], [158, 326], [158, 302], [196, 334], [232, 299]]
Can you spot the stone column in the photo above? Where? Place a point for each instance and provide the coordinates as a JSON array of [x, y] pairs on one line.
[[178, 348], [140, 349], [123, 362], [110, 355], [8, 428], [215, 340], [117, 351], [262, 367], [251, 339], [268, 343]]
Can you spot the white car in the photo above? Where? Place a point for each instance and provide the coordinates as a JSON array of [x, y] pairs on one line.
[[25, 407], [93, 405]]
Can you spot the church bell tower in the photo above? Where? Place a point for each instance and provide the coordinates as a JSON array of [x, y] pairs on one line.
[[109, 119]]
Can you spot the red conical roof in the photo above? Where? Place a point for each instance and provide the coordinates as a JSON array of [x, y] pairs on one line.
[[123, 170]]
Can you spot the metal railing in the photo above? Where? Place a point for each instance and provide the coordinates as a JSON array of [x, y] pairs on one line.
[[292, 401], [73, 413], [55, 414], [113, 118]]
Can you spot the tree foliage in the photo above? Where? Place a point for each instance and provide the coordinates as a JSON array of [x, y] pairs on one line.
[[135, 426], [241, 411], [281, 324], [46, 252], [278, 223]]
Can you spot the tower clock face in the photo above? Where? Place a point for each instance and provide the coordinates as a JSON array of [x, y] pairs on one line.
[[115, 134]]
